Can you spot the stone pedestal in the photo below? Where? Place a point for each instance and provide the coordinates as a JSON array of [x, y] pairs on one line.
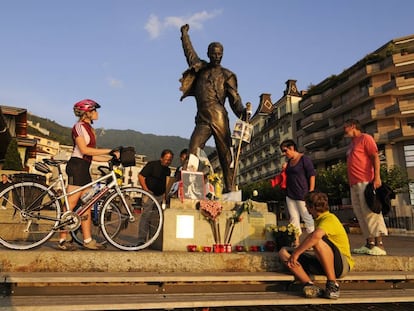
[[185, 225]]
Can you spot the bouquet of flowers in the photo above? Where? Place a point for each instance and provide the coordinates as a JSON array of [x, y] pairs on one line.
[[211, 210], [284, 235], [246, 206]]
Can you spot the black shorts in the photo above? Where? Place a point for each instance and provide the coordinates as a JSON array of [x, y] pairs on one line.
[[312, 265], [78, 172]]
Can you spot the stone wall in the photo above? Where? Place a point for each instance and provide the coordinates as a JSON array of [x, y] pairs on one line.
[[184, 225]]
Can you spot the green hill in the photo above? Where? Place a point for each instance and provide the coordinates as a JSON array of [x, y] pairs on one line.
[[146, 144]]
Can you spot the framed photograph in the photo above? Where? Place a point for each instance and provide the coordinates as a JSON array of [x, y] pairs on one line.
[[193, 185], [242, 130]]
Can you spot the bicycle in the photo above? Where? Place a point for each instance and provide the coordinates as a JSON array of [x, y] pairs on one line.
[[96, 209], [33, 211]]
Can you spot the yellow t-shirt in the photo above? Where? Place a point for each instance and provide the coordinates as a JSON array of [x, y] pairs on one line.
[[336, 233]]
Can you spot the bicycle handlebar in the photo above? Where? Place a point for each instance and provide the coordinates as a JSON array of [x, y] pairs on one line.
[[51, 162], [103, 169]]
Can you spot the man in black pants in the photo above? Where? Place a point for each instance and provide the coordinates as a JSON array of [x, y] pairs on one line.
[[153, 178]]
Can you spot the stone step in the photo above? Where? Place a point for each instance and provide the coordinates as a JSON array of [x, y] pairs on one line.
[[148, 290], [195, 300]]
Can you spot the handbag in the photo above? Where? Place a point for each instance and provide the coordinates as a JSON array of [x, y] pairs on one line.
[[127, 156], [279, 179], [372, 199], [379, 200]]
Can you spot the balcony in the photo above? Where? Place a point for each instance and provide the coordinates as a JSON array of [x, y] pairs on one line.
[[316, 139], [335, 131], [405, 107], [314, 122], [399, 85], [401, 134], [404, 83], [309, 103], [403, 59], [323, 156], [383, 89], [353, 80]]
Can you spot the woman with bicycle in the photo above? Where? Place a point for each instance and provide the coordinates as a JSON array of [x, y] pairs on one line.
[[77, 169]]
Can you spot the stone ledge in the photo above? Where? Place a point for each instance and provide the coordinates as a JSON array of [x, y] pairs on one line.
[[170, 261]]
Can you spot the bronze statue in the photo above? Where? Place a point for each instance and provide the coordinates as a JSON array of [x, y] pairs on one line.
[[211, 84]]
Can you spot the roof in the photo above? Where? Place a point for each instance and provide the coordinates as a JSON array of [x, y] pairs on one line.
[[14, 111]]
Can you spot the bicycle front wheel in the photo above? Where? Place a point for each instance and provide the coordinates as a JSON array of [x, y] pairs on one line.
[[134, 232], [29, 214]]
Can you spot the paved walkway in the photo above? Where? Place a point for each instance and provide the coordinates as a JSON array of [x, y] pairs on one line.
[[396, 245]]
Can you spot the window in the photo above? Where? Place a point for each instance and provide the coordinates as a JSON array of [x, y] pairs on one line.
[[282, 110], [409, 155], [410, 121], [411, 189]]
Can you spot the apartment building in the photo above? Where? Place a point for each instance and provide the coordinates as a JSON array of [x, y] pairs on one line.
[[272, 123], [378, 91], [15, 126]]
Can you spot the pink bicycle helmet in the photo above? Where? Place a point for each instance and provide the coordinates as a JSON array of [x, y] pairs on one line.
[[84, 106]]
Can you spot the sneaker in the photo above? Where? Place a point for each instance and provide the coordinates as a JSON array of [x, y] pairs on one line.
[[331, 290], [93, 245], [361, 250], [66, 246], [377, 251], [312, 291]]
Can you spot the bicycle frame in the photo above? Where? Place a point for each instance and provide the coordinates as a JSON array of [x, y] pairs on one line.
[[82, 210], [35, 211]]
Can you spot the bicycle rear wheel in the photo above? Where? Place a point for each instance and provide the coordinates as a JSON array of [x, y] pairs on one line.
[[96, 231], [28, 215], [136, 232]]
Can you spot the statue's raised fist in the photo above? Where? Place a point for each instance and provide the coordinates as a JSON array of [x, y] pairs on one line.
[[185, 28]]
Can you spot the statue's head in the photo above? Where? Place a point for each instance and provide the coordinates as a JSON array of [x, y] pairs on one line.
[[215, 53]]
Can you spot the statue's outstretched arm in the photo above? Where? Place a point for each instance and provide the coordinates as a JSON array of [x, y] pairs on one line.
[[189, 51]]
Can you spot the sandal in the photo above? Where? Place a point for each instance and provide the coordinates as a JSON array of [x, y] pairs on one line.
[[376, 251], [66, 246]]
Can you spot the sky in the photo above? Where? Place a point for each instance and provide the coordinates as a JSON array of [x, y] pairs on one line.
[[127, 54]]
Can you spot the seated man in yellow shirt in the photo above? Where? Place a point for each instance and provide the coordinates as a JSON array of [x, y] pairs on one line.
[[331, 254]]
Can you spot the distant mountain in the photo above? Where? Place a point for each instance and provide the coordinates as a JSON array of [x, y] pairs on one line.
[[146, 144]]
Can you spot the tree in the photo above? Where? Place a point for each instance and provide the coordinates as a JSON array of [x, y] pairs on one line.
[[395, 177], [265, 192], [334, 182], [12, 160]]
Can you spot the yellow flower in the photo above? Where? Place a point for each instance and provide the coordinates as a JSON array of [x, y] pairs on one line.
[[290, 229], [214, 178]]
